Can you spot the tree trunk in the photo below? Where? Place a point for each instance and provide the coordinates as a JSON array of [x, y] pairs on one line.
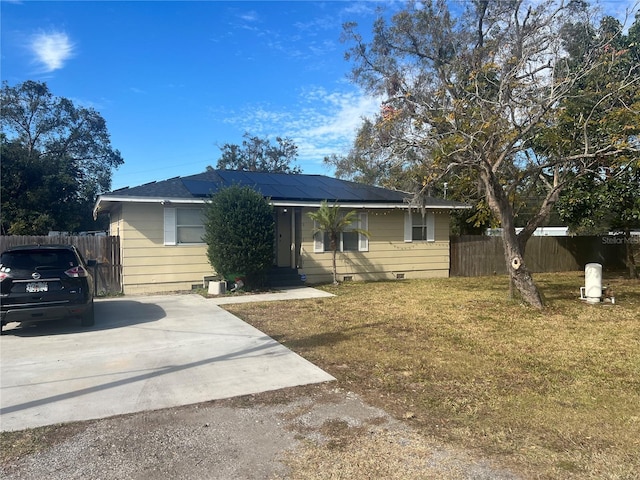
[[631, 261], [513, 245], [335, 269], [519, 275]]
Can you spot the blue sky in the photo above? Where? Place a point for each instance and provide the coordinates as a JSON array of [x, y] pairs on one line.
[[176, 80]]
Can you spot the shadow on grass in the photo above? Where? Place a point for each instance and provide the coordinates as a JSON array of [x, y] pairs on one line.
[[566, 285], [324, 339], [493, 283]]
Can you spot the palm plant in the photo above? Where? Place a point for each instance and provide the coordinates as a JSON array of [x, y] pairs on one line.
[[328, 219]]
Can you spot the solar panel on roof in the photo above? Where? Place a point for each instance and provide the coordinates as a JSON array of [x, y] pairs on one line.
[[319, 193], [290, 179], [200, 188], [296, 187], [267, 191], [237, 177], [286, 192]]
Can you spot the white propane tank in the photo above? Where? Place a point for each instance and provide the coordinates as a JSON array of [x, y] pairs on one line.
[[593, 282]]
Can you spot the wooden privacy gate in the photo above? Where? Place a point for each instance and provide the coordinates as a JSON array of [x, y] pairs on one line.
[[105, 250]]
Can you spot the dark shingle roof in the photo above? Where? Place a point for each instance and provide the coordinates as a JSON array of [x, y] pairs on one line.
[[276, 186], [171, 188]]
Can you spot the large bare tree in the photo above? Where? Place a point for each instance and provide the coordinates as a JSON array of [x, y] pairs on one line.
[[473, 89]]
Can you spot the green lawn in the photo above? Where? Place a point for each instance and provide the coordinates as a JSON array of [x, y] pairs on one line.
[[548, 394]]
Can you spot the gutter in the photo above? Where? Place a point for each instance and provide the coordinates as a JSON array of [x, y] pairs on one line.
[[107, 199]]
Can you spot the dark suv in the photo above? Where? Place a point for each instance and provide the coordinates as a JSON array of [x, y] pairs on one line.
[[40, 283]]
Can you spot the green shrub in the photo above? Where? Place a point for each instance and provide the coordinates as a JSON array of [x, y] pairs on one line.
[[239, 232]]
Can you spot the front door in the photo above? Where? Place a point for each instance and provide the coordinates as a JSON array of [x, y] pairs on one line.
[[283, 237]]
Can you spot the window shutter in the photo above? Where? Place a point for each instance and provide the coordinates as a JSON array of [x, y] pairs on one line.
[[363, 240], [169, 226], [408, 236], [318, 239], [431, 227]]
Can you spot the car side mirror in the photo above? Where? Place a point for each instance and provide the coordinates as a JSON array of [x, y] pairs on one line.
[[92, 263]]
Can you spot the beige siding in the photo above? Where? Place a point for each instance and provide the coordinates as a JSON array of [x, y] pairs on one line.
[[149, 266], [389, 256]]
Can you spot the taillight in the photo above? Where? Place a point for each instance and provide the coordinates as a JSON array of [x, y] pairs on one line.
[[76, 272], [3, 276]]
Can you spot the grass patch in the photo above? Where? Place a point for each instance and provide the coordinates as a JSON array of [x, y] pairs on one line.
[[552, 394], [15, 445]]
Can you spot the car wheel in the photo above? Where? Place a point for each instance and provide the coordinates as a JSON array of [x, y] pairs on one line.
[[88, 319]]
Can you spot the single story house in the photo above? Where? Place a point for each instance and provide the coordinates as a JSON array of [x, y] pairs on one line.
[[160, 226]]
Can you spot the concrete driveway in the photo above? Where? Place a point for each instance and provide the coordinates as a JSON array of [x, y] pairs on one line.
[[144, 353]]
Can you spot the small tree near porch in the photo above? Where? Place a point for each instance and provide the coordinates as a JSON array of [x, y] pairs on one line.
[[328, 219], [239, 232]]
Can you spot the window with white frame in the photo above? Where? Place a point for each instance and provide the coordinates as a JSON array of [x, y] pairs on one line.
[[349, 241], [419, 227], [183, 226]]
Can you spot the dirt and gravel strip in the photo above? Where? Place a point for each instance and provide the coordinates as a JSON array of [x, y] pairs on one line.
[[311, 432]]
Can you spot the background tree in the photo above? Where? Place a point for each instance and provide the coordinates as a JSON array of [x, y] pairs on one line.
[[606, 197], [472, 91], [55, 159], [597, 204], [239, 232], [259, 155], [36, 195], [330, 220]]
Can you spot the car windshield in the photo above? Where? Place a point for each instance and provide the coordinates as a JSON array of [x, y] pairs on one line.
[[38, 259]]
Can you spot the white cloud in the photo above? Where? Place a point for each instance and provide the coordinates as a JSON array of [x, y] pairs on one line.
[[321, 124], [250, 16], [52, 50]]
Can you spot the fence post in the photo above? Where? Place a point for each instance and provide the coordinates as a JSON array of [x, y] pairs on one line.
[[95, 279]]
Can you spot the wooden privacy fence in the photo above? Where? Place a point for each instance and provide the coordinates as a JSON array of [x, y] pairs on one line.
[[105, 250], [478, 255]]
